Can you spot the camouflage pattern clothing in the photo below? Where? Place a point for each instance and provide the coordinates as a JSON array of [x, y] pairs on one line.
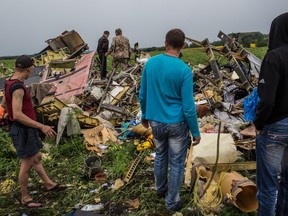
[[120, 51]]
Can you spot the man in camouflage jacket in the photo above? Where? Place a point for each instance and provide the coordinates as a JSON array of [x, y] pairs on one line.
[[120, 50]]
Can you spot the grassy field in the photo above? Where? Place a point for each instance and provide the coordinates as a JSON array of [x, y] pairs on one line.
[[6, 67], [198, 55], [8, 63], [192, 55]]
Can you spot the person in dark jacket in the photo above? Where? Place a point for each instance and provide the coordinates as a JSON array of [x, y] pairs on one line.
[[271, 123], [102, 48]]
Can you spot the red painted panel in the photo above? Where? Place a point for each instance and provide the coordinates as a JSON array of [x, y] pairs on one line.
[[73, 83]]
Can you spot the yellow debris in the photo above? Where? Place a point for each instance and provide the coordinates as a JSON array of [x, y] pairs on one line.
[[7, 186]]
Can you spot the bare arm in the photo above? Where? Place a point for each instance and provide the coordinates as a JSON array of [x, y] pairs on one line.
[[19, 116], [3, 103]]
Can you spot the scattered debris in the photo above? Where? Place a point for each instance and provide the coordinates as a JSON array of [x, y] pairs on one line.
[[205, 153], [118, 184], [7, 186], [93, 208], [67, 92], [92, 166]]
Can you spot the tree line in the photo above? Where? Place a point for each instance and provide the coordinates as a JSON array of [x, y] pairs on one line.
[[244, 38]]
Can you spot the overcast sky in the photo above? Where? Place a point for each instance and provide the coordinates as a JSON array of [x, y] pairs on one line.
[[26, 25]]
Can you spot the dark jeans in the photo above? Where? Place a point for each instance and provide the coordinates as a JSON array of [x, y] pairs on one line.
[[171, 141], [103, 60], [272, 159]]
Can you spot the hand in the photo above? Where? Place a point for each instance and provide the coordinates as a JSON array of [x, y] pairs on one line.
[[196, 140], [48, 131], [145, 123]]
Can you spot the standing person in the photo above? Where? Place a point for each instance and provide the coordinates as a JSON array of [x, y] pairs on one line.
[[271, 123], [18, 103], [136, 51], [120, 50], [102, 48], [167, 103]]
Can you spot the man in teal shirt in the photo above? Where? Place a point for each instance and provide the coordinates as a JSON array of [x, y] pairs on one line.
[[167, 103]]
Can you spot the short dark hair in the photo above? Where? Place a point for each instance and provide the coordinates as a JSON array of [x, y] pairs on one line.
[[118, 31], [175, 38], [106, 32]]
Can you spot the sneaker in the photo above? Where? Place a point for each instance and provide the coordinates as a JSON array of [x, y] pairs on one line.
[[161, 194], [177, 207]]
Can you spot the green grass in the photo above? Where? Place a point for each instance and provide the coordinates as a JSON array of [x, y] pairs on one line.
[[8, 63], [65, 165], [6, 67], [192, 55], [118, 159], [198, 55], [259, 51]]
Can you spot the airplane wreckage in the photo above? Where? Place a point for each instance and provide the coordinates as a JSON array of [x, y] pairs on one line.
[[66, 82]]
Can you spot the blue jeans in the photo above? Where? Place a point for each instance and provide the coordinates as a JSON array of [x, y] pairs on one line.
[[272, 158], [171, 141]]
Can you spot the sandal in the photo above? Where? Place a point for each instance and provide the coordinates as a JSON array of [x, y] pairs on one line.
[[57, 187], [28, 204]]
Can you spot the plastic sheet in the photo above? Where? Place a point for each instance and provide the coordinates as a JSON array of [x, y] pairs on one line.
[[250, 104]]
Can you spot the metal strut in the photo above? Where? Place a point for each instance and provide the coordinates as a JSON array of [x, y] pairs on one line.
[[133, 167]]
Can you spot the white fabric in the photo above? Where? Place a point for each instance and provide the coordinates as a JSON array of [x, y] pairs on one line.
[[206, 150], [67, 118]]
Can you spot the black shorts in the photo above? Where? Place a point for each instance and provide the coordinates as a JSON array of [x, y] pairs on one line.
[[25, 140]]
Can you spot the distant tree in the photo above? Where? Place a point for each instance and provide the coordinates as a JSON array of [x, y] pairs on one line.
[[192, 45], [247, 38], [263, 41], [161, 48], [217, 43], [151, 49]]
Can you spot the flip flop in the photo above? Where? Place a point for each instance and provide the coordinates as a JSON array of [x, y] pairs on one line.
[[27, 204], [57, 187]]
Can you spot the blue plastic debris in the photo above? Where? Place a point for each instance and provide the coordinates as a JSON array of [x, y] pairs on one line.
[[250, 104]]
